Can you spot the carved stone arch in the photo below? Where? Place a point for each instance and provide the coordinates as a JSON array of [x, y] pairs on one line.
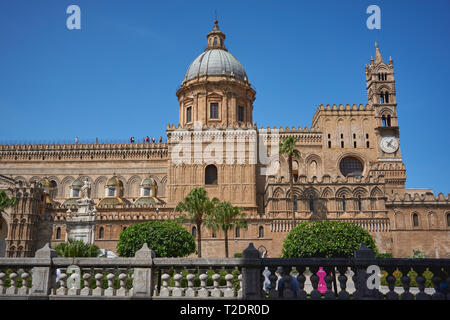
[[99, 187], [416, 222], [433, 222], [327, 193], [278, 193], [343, 191], [381, 67], [313, 164], [34, 178], [20, 178], [360, 192], [297, 192], [162, 189], [65, 186], [310, 192], [133, 187], [376, 193]]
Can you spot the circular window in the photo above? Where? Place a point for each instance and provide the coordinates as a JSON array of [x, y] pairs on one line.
[[351, 165]]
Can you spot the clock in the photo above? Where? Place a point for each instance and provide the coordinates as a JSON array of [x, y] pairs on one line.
[[389, 144]]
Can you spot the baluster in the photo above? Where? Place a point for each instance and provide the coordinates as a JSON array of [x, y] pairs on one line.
[[287, 284], [190, 291], [273, 293], [391, 295], [110, 291], [177, 291], [23, 291], [329, 294], [343, 294], [315, 294], [122, 291], [420, 279], [2, 282], [301, 282], [216, 292], [406, 280], [165, 291], [240, 286], [437, 279], [229, 291], [13, 286], [62, 290], [98, 291], [203, 292], [86, 291]]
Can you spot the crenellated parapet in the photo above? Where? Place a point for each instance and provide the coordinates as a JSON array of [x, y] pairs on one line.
[[341, 110], [425, 199], [68, 152], [327, 179]]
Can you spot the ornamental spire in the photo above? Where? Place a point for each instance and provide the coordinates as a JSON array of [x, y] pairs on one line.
[[216, 38], [378, 57]]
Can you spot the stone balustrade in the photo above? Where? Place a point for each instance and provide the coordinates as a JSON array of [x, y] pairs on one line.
[[144, 276]]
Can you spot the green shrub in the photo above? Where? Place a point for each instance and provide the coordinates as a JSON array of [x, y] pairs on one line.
[[165, 238], [77, 248], [326, 239], [238, 255]]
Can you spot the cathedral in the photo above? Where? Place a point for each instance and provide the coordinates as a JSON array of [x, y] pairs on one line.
[[350, 169]]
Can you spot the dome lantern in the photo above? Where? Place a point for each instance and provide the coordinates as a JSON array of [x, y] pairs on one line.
[[216, 38]]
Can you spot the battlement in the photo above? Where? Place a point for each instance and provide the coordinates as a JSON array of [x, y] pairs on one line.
[[327, 179], [82, 151], [427, 198]]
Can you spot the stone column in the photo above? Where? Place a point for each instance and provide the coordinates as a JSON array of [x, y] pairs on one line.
[[251, 273], [44, 276], [143, 280]]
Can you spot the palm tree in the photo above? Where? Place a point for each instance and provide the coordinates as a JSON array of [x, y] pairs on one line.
[[6, 202], [287, 147], [224, 217], [197, 205]]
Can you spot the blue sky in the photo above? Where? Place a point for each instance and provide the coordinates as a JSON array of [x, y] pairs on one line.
[[117, 76]]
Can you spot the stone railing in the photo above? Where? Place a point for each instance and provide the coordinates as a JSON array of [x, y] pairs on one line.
[[369, 224], [144, 276]]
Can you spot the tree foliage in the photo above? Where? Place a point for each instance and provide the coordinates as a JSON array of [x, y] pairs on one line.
[[287, 148], [77, 248], [196, 205], [5, 201], [225, 217], [326, 239], [165, 238]]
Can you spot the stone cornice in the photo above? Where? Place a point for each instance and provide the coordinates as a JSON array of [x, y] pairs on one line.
[[83, 151]]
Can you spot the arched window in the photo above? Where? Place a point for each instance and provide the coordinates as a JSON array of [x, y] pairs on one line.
[[194, 231], [295, 204], [101, 232], [382, 98], [359, 203], [415, 220], [344, 207], [58, 233], [211, 174], [215, 41], [214, 234], [261, 232], [383, 121], [351, 165], [386, 97], [388, 120], [111, 192], [448, 219], [237, 232], [311, 204]]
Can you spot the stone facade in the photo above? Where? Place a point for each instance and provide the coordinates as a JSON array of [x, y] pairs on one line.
[[350, 169]]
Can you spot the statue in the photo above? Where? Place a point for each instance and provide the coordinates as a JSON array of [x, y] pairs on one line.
[[86, 190]]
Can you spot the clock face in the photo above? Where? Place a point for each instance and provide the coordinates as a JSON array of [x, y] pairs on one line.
[[389, 144]]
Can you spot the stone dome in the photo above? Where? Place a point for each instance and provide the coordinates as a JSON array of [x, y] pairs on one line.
[[215, 62]]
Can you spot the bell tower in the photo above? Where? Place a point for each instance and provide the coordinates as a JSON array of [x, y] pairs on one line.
[[381, 95]]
